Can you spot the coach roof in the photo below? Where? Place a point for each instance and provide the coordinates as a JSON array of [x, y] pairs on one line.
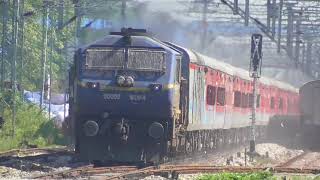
[[200, 59]]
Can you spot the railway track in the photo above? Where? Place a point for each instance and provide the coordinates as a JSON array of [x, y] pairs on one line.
[[169, 171], [33, 151], [304, 160], [87, 171], [294, 159], [174, 171], [301, 164]]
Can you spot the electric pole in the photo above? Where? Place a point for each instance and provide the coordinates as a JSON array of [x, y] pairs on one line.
[[15, 35], [289, 31], [279, 26], [255, 73], [246, 14], [21, 52], [123, 12], [298, 33], [4, 49], [77, 12], [204, 24], [44, 49], [51, 57], [268, 14], [274, 15]]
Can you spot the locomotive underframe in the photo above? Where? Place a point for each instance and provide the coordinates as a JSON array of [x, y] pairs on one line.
[[209, 140], [111, 145]]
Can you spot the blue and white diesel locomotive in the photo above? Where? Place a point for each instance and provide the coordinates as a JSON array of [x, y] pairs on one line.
[[124, 97], [134, 98]]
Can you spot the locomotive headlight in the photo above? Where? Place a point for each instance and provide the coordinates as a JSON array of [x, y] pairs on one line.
[[92, 85], [156, 130], [91, 128], [155, 87], [129, 81], [121, 80]]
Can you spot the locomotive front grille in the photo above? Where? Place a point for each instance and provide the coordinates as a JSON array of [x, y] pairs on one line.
[[126, 59], [146, 60], [105, 59]]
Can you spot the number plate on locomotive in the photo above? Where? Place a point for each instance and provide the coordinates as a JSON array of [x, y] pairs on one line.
[[111, 96], [137, 97]]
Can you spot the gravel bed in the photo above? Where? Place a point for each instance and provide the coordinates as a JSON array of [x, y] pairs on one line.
[[25, 167]]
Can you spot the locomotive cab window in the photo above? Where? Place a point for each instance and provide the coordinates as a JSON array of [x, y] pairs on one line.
[[221, 95], [211, 95], [237, 99]]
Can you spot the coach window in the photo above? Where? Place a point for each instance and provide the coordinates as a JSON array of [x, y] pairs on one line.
[[272, 103], [288, 105], [280, 103], [244, 100], [250, 100], [250, 104], [237, 99], [258, 100], [221, 94], [211, 95]]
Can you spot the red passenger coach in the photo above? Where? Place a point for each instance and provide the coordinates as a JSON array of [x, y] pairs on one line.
[[220, 99]]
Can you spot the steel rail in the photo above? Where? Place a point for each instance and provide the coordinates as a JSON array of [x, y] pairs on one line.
[[86, 171], [30, 151], [292, 160], [193, 169]]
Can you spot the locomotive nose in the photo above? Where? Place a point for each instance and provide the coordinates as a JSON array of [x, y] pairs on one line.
[[156, 130], [91, 128]]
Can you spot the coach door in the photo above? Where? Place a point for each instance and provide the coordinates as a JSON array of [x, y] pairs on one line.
[[196, 96]]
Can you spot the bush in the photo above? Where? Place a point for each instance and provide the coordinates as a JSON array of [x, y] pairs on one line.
[[32, 127], [238, 176]]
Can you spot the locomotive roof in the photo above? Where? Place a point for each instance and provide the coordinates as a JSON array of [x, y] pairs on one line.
[[136, 41], [201, 59]]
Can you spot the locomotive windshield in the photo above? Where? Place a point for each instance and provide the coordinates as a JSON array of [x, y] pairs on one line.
[[125, 59], [140, 63]]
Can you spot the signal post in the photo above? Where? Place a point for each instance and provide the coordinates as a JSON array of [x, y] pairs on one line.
[[255, 73]]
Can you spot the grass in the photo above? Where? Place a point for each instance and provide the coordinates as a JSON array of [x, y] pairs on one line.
[[32, 127], [238, 176]]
